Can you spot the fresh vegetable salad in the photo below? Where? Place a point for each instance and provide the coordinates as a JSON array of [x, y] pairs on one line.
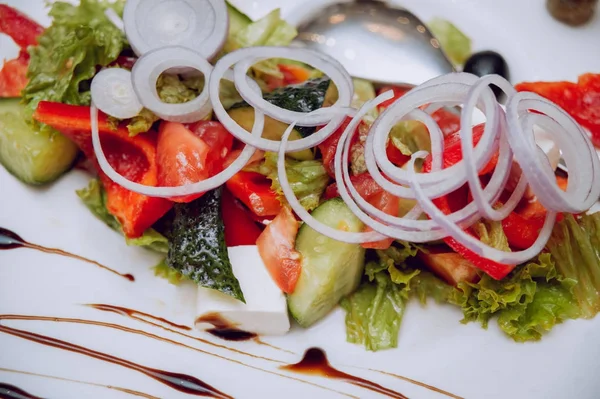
[[281, 186]]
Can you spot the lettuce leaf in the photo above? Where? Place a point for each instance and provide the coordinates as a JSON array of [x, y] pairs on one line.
[[410, 137], [270, 30], [455, 44], [177, 89], [374, 311], [491, 233], [575, 248], [79, 40], [562, 283], [308, 179], [142, 122], [94, 198]]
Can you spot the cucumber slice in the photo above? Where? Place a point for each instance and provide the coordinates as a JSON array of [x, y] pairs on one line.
[[330, 269], [31, 155]]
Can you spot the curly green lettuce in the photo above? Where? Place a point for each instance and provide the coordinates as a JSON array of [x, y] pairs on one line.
[[374, 311], [562, 283], [68, 53], [308, 179], [94, 198]]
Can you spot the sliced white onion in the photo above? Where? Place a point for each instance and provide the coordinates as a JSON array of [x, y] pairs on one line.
[[578, 152], [150, 66], [113, 93], [471, 242], [199, 25], [339, 235], [221, 70]]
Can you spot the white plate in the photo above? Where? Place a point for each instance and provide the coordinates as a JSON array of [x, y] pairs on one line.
[[434, 347]]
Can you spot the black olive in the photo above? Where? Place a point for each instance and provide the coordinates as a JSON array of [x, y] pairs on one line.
[[487, 63]]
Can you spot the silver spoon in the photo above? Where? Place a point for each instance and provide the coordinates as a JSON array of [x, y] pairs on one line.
[[376, 41]]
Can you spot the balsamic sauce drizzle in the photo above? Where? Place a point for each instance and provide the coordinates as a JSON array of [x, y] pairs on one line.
[[177, 381], [315, 362], [174, 380], [224, 329], [53, 377], [421, 384], [11, 240], [135, 314], [8, 391]]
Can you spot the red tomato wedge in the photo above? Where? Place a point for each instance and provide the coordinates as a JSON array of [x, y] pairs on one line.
[[187, 156], [13, 76], [181, 158], [276, 247]]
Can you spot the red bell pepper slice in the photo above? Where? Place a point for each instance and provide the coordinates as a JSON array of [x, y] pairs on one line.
[[581, 100], [240, 228], [22, 29], [254, 190], [276, 246], [453, 152], [452, 202], [133, 157], [329, 147]]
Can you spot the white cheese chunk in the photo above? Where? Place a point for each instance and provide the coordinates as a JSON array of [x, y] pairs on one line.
[[265, 311]]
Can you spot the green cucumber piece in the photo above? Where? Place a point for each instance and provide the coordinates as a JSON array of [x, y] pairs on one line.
[[330, 269], [32, 156], [304, 97], [197, 246]]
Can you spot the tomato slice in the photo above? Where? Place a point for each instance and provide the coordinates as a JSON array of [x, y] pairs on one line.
[[181, 157], [191, 155], [218, 139], [13, 76], [522, 227], [581, 100], [276, 246]]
